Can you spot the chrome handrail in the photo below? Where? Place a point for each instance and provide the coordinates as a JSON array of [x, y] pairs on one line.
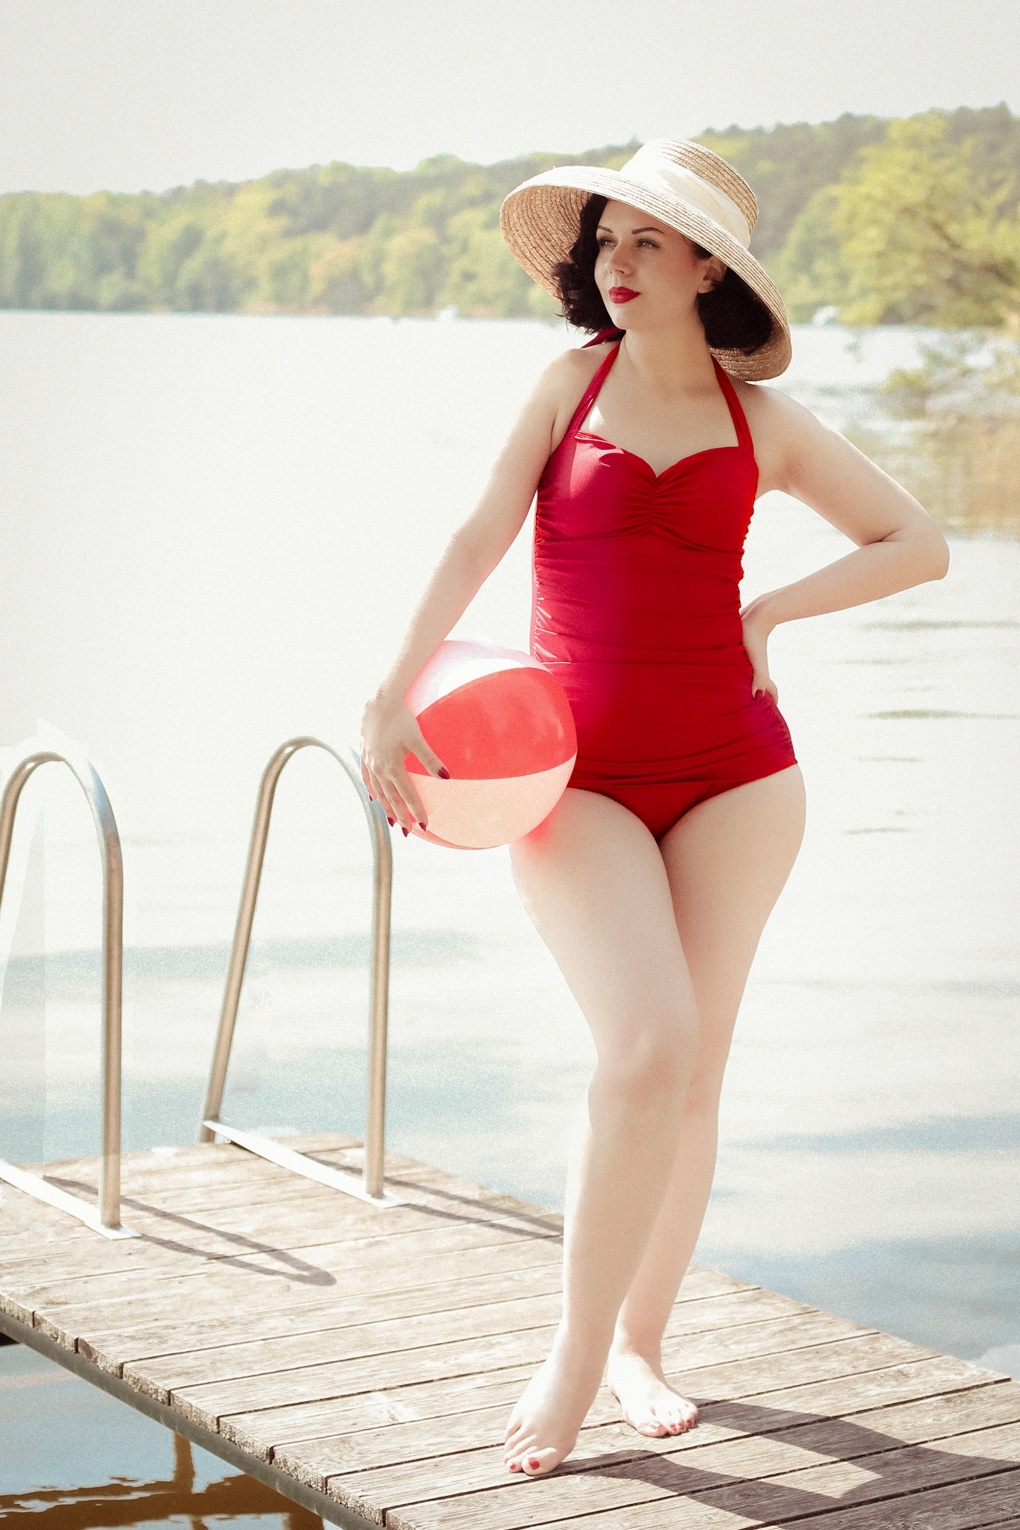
[[105, 1218], [371, 1186]]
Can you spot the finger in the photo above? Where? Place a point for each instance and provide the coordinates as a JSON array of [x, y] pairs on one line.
[[419, 747], [406, 804], [377, 794]]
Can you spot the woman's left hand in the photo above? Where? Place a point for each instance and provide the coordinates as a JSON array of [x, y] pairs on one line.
[[757, 627]]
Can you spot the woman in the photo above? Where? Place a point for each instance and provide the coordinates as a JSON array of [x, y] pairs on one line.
[[654, 875]]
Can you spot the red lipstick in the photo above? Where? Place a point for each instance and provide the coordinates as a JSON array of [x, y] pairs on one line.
[[622, 294]]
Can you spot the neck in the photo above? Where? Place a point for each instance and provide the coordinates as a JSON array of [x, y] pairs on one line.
[[670, 358]]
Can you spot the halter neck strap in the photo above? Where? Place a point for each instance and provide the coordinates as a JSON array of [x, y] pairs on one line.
[[736, 412]]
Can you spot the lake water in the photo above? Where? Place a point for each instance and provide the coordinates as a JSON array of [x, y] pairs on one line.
[[214, 529]]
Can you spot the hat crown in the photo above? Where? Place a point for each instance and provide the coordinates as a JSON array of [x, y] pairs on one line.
[[699, 176], [687, 187]]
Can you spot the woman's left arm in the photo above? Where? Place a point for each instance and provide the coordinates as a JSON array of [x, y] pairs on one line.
[[898, 543]]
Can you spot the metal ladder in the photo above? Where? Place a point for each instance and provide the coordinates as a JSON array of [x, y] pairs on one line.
[[104, 1218], [369, 1186]]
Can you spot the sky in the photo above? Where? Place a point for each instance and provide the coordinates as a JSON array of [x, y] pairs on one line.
[[148, 94]]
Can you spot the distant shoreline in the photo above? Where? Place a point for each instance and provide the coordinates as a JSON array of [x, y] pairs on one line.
[[346, 239]]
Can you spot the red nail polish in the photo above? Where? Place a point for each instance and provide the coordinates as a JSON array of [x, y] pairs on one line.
[[534, 1463], [404, 832], [390, 821], [423, 826], [444, 773]]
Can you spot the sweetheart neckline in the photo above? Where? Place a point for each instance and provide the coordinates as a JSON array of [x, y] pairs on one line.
[[593, 435]]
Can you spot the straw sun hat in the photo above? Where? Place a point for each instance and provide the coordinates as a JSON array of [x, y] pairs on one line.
[[681, 184]]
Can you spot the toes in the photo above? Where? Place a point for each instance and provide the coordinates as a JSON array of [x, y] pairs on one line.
[[538, 1463]]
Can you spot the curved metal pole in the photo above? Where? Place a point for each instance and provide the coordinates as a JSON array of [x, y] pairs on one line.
[[382, 864], [113, 965]]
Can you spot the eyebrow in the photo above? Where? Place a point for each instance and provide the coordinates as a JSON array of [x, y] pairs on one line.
[[649, 230]]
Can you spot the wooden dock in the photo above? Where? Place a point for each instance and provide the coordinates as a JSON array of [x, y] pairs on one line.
[[364, 1361]]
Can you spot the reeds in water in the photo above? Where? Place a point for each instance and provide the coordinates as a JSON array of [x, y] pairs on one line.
[[952, 435]]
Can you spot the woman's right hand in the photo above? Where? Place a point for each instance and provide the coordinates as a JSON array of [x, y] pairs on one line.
[[389, 730]]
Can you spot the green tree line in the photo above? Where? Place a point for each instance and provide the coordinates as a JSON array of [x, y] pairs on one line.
[[913, 220]]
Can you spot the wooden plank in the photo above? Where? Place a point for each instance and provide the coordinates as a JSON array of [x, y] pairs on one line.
[[259, 1430], [764, 1479], [161, 1375], [158, 1176], [308, 1265], [264, 1430], [782, 1373], [344, 1378], [400, 1339], [349, 1269], [375, 1356], [159, 1332], [354, 1268], [267, 1229], [916, 1423], [313, 1461], [207, 1404], [150, 1329], [876, 1386], [960, 1506], [886, 1475], [272, 1429]]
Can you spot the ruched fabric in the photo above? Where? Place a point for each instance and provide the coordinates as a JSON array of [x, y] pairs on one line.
[[636, 610]]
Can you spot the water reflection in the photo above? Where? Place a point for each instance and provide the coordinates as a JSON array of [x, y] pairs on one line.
[[128, 1471], [963, 470]]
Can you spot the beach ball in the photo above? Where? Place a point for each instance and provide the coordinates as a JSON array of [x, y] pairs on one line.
[[502, 726]]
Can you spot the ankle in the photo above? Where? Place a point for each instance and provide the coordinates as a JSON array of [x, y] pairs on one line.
[[581, 1345], [624, 1347]]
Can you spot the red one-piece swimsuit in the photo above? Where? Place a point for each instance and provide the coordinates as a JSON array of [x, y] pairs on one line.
[[636, 610]]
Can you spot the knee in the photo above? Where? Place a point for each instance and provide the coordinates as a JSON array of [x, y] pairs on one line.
[[703, 1093], [652, 1067]]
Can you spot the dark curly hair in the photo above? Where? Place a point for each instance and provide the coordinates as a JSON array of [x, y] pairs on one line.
[[734, 318]]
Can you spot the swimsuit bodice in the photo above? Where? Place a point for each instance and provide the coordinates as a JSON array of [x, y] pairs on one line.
[[633, 564]]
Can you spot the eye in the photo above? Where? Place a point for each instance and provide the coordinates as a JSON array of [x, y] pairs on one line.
[[651, 243], [604, 240]]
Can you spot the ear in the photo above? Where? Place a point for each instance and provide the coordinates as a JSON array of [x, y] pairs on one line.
[[715, 270]]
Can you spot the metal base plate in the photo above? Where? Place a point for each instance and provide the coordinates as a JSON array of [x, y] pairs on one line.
[[62, 1200], [300, 1163]]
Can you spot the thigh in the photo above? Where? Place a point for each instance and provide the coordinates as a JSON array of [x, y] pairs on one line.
[[595, 885], [727, 861]]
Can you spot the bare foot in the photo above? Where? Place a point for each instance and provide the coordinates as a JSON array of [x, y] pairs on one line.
[[543, 1426], [649, 1404]]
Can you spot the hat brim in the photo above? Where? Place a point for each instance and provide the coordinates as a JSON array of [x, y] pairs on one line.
[[540, 224]]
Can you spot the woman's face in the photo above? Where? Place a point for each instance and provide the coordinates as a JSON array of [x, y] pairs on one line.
[[648, 273]]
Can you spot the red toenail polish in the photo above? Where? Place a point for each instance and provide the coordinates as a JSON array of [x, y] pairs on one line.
[[534, 1463]]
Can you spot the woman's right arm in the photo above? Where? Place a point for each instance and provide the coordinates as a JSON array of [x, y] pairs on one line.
[[389, 729]]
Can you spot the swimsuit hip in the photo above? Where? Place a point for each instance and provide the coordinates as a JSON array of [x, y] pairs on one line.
[[636, 610]]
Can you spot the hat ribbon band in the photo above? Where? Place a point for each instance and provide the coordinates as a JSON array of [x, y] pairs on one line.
[[675, 181]]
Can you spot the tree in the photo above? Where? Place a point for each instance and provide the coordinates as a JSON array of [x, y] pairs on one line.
[[923, 236], [411, 272]]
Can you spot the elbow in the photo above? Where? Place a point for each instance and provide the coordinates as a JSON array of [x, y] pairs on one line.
[[937, 556], [928, 552]]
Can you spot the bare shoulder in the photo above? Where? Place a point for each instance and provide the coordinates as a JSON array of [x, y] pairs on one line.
[[573, 370], [564, 380], [780, 429]]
